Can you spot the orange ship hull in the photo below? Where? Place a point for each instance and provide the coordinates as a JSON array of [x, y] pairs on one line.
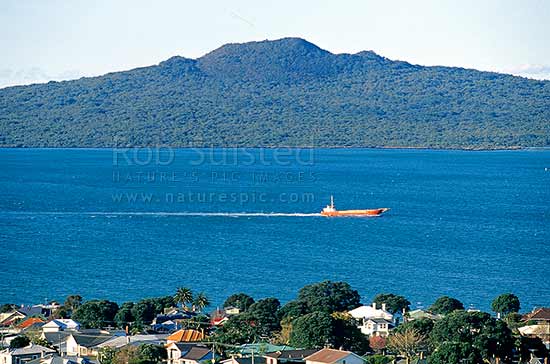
[[371, 212]]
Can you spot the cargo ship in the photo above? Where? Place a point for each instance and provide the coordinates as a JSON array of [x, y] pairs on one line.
[[330, 210]]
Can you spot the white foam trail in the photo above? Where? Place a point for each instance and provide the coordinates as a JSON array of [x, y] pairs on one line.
[[139, 213]]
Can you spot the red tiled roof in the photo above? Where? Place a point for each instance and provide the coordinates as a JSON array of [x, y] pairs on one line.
[[29, 322]]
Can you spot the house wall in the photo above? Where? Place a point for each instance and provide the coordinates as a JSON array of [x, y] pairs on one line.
[[350, 359], [72, 346]]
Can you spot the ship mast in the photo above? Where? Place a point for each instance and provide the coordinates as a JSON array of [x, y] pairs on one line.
[[331, 202]]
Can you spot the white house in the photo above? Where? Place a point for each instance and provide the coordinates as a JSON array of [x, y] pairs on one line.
[[61, 325], [372, 320], [377, 327], [332, 356], [85, 344], [24, 354]]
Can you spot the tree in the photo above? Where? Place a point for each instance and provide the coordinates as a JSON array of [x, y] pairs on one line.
[[292, 310], [96, 314], [72, 302], [505, 303], [151, 353], [455, 353], [200, 302], [318, 329], [407, 342], [183, 296], [283, 337], [143, 311], [312, 331], [329, 297], [142, 354], [106, 355], [378, 359], [394, 303], [127, 355], [444, 305], [19, 342], [7, 307], [124, 316], [377, 343], [161, 303], [242, 301], [265, 314], [239, 329], [485, 336], [423, 326]]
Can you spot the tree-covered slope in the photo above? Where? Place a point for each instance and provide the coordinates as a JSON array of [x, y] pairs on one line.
[[286, 92]]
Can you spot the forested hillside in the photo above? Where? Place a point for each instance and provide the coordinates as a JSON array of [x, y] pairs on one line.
[[287, 92]]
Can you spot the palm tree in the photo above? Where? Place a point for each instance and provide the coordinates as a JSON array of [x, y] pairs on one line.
[[200, 302], [183, 296]]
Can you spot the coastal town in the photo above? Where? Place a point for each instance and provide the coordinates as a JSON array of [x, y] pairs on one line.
[[325, 324]]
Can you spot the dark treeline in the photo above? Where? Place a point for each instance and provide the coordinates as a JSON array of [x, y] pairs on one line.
[[287, 92]]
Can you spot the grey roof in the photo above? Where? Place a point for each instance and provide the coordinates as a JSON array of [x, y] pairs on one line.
[[248, 360], [30, 350], [91, 340], [56, 337], [65, 359], [30, 310], [196, 353], [298, 354]]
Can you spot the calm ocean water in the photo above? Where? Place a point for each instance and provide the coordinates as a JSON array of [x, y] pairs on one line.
[[124, 225]]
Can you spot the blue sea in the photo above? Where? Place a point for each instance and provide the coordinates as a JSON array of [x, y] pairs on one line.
[[125, 224]]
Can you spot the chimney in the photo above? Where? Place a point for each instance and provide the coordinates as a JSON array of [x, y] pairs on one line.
[[374, 305], [383, 307]]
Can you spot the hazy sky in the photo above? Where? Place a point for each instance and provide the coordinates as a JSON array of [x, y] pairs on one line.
[[43, 40]]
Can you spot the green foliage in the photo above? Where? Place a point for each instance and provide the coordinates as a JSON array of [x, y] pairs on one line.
[[19, 342], [242, 301], [124, 316], [329, 297], [506, 303], [239, 329], [293, 309], [394, 303], [7, 307], [144, 311], [317, 329], [444, 305], [265, 314], [106, 355], [72, 302], [455, 353], [484, 335], [96, 313], [378, 359], [423, 326], [151, 354], [312, 331], [183, 296], [142, 354], [200, 302], [531, 345], [285, 92]]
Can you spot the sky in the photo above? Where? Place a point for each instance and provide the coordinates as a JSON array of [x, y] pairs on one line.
[[42, 40]]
